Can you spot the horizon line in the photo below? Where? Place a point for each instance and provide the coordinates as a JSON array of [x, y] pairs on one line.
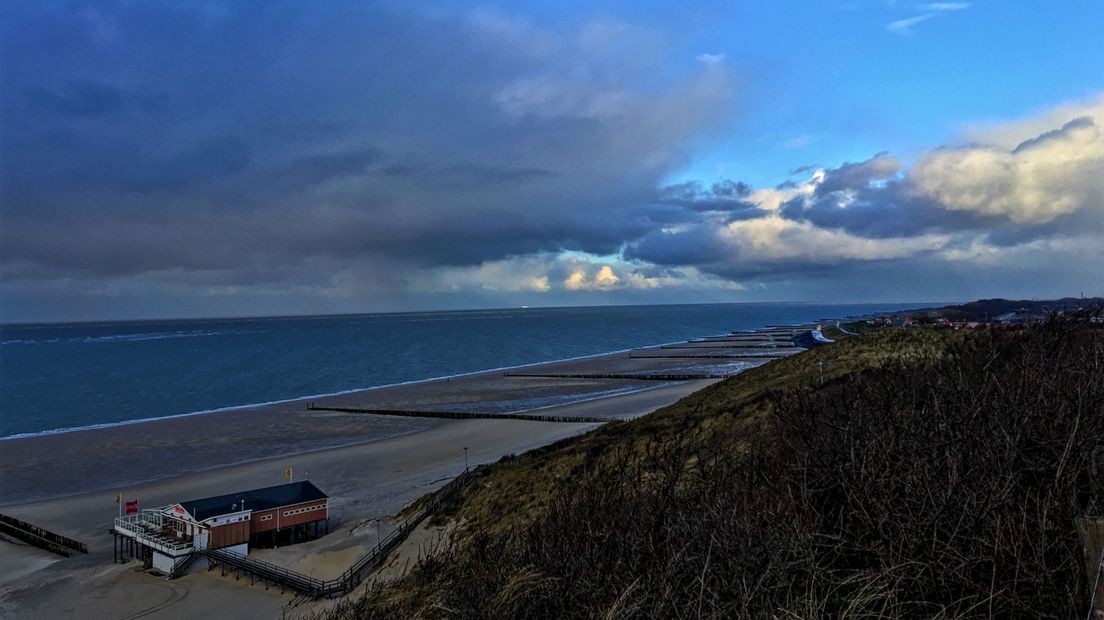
[[458, 310]]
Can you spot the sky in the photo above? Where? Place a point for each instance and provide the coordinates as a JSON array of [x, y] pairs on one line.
[[181, 158]]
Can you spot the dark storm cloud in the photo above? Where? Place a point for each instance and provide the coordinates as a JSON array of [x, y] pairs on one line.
[[465, 175], [212, 159], [889, 209], [726, 196], [349, 148], [323, 166], [254, 137], [698, 245]]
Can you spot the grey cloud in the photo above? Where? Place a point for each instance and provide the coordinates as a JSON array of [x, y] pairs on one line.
[[401, 109], [263, 147], [464, 175], [697, 246], [869, 199], [208, 160], [877, 211], [850, 176], [726, 196], [316, 168]]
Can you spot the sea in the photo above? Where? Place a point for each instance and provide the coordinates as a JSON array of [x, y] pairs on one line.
[[65, 377]]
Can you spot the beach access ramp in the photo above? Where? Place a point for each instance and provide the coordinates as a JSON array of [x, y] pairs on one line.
[[308, 587]]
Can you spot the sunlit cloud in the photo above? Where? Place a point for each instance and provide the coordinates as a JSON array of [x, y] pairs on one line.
[[1053, 174]]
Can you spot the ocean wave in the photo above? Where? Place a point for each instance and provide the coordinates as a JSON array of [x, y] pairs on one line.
[[125, 337], [229, 408]]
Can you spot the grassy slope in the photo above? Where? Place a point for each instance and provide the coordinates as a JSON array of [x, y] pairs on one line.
[[515, 491], [520, 546]]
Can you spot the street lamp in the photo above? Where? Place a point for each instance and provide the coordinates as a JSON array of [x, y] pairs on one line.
[[465, 458]]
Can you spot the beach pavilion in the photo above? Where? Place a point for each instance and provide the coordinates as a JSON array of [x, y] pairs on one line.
[[167, 536]]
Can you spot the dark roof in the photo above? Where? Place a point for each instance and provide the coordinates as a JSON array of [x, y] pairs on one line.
[[257, 499]]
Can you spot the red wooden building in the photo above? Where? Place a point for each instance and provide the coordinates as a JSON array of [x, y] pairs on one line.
[[270, 516]]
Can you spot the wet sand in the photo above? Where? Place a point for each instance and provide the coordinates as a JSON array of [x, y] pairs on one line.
[[36, 468]]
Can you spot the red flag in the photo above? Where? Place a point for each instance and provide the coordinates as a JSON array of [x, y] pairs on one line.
[[132, 506]]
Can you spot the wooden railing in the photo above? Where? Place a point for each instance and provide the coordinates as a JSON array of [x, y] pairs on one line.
[[313, 587]]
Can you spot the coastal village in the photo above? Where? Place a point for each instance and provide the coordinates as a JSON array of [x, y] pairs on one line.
[[988, 314]]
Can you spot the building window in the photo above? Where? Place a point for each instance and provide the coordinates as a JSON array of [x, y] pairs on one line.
[[288, 513], [266, 518]]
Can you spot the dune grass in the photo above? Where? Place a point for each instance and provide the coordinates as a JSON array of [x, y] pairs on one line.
[[900, 473]]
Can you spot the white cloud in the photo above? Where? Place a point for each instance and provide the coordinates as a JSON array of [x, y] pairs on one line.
[[1019, 189], [774, 239], [710, 59], [1055, 173], [539, 284], [772, 198], [904, 26], [603, 280], [1010, 134], [547, 273], [932, 9], [507, 275], [946, 6]]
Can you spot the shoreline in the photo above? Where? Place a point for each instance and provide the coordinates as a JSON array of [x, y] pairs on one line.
[[370, 465], [362, 441], [126, 453], [296, 399], [368, 484]]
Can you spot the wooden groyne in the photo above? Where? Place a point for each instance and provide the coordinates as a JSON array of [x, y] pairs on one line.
[[465, 415], [641, 376], [710, 345], [711, 356], [40, 537], [731, 339], [736, 341]]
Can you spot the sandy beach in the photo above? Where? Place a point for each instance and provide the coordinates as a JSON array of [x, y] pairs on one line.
[[370, 465]]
